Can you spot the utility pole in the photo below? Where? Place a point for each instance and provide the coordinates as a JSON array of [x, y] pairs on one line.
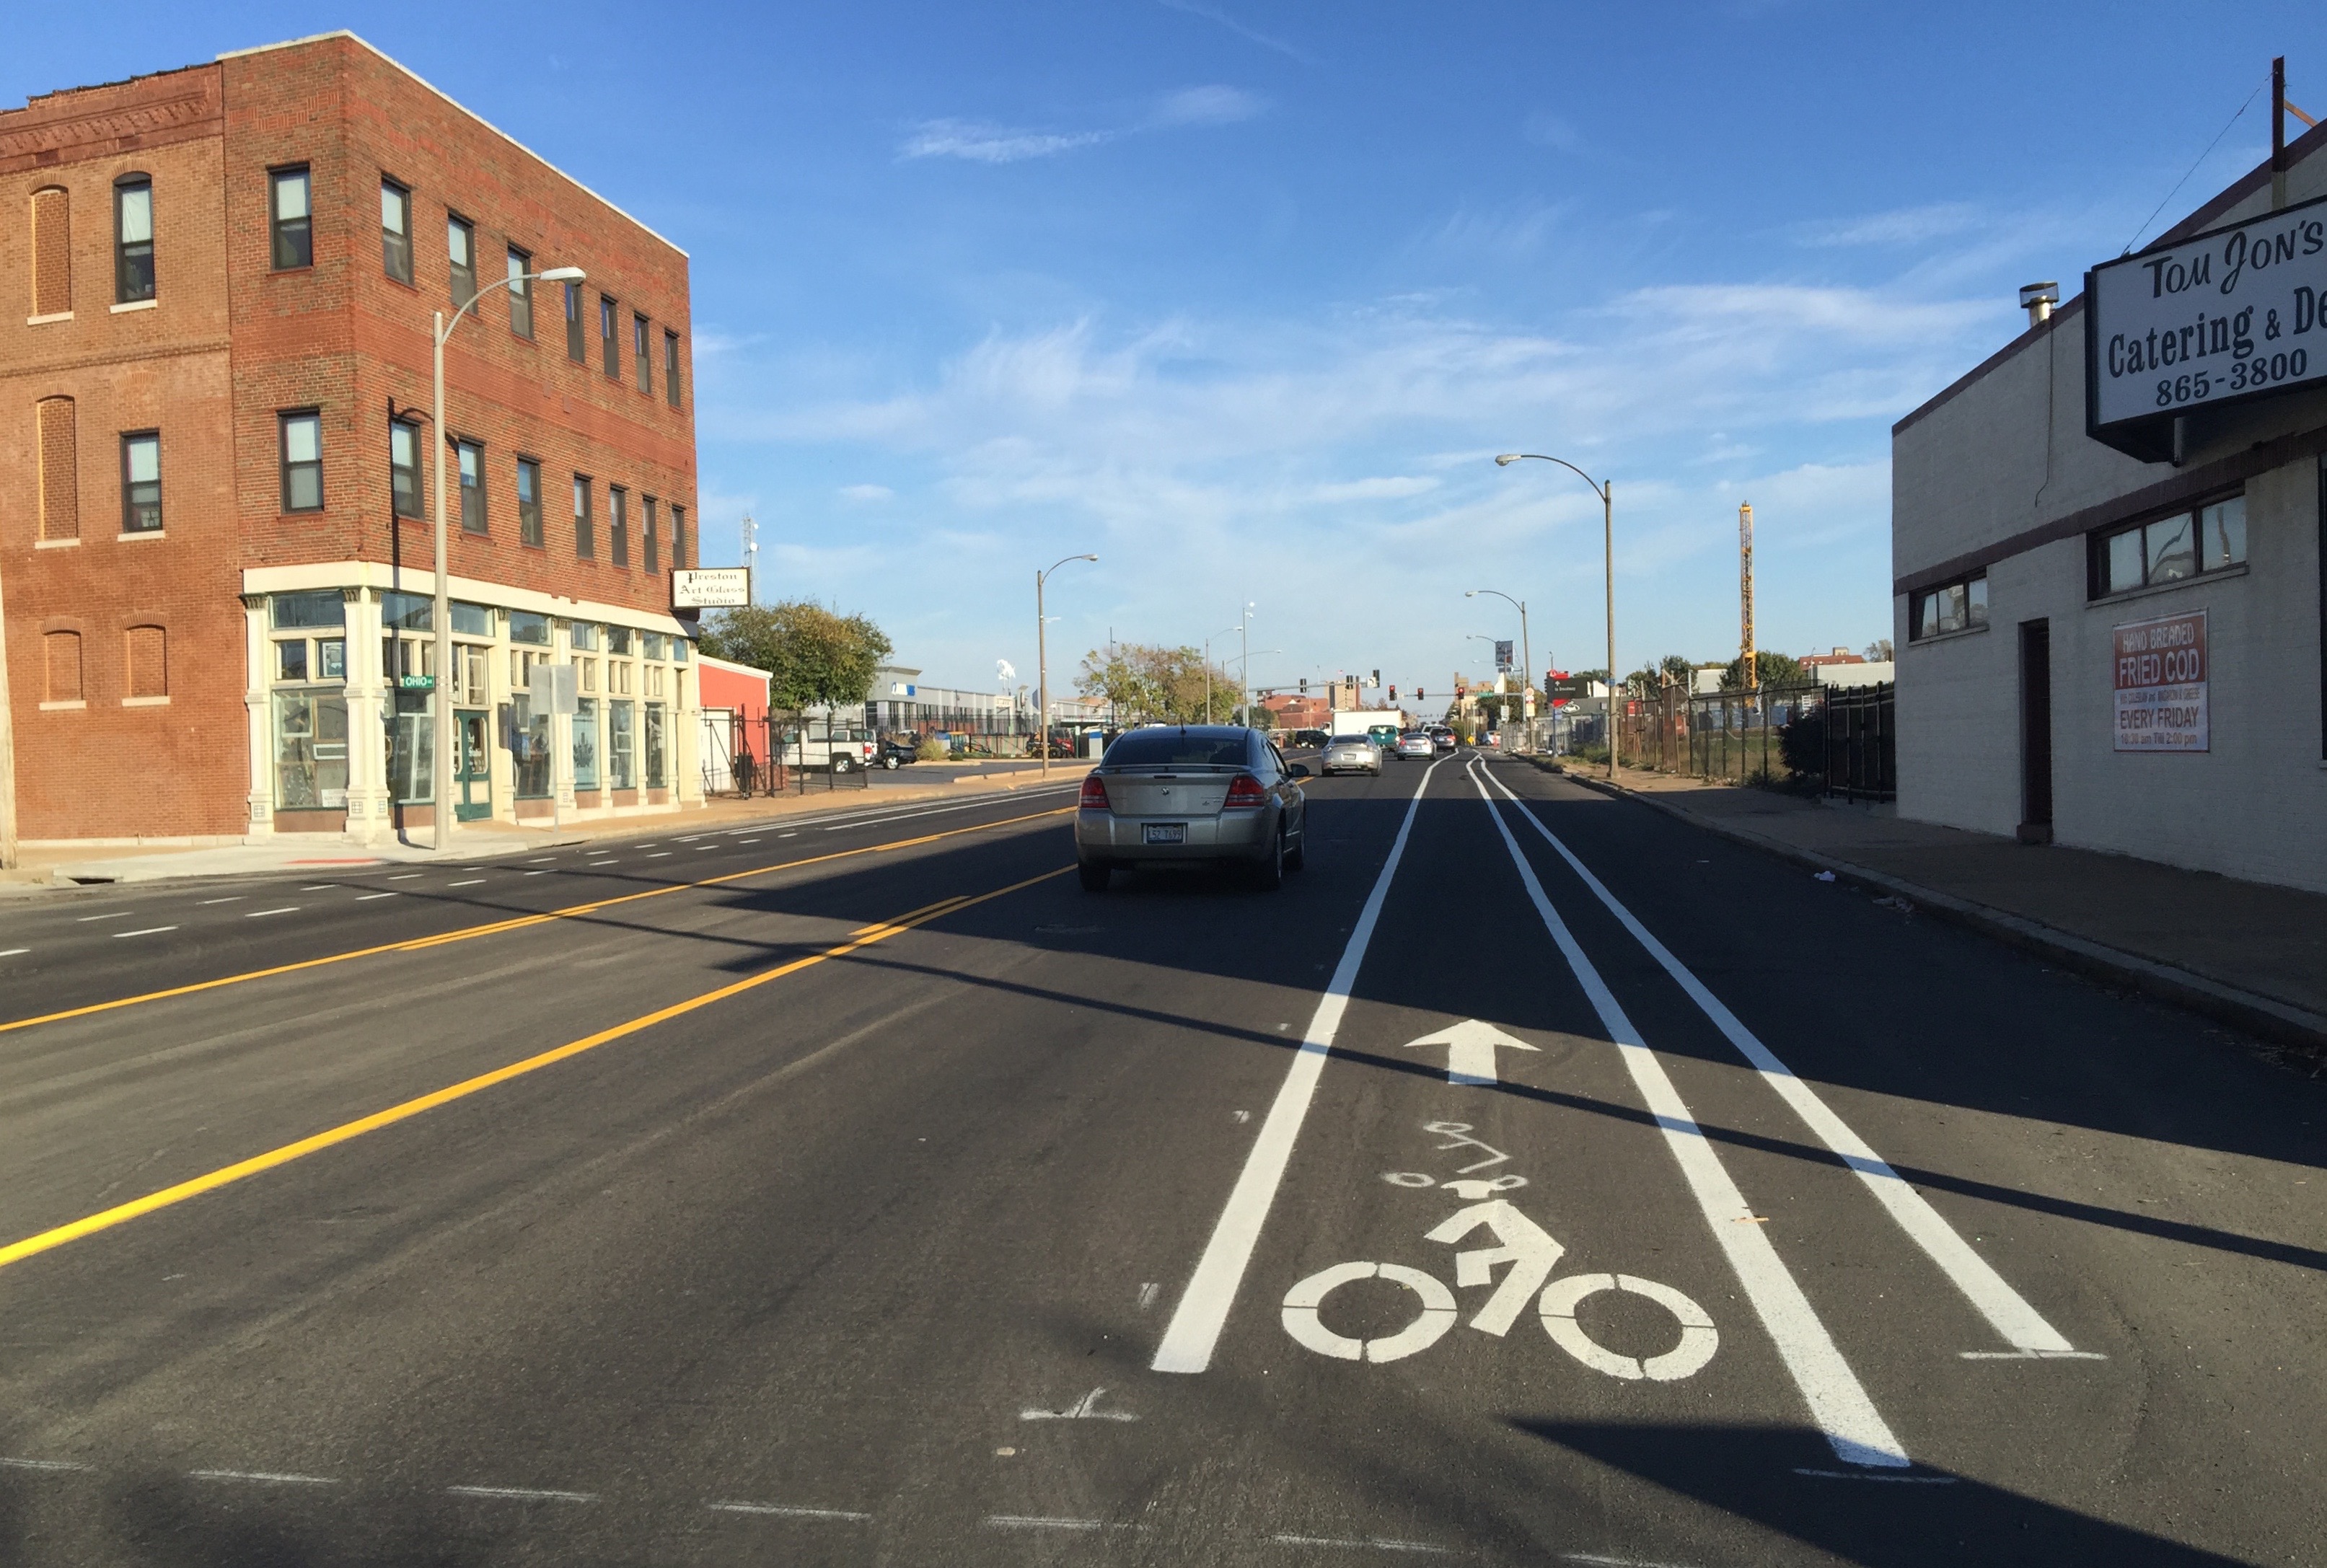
[[1749, 678], [2279, 133], [752, 555]]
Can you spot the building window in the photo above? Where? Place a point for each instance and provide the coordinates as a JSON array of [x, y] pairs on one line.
[[640, 339], [291, 223], [622, 745], [1957, 607], [141, 482], [609, 337], [473, 486], [133, 239], [577, 344], [529, 754], [147, 652], [52, 252], [411, 748], [63, 650], [2208, 538], [520, 292], [325, 607], [301, 658], [670, 368], [656, 779], [583, 636], [396, 230], [586, 743], [527, 627], [678, 558], [404, 467], [585, 526], [460, 244], [650, 535], [618, 524], [58, 422], [311, 749], [528, 501]]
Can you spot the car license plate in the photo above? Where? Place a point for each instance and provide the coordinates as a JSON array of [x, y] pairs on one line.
[[1164, 833]]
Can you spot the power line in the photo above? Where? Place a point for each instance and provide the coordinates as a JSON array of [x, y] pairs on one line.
[[2193, 168]]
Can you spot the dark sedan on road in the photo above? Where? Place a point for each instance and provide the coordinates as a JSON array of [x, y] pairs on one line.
[[1193, 794]]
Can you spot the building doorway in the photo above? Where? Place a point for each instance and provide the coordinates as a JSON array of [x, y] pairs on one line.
[[473, 776], [2035, 732]]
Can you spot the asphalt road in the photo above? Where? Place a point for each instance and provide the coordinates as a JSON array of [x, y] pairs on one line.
[[859, 1191]]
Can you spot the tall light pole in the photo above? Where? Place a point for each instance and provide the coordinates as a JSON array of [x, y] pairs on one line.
[[1607, 494], [442, 781], [1223, 632], [1042, 663], [1244, 633], [1527, 652]]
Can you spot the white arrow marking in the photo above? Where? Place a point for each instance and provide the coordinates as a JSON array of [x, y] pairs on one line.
[[1470, 1050]]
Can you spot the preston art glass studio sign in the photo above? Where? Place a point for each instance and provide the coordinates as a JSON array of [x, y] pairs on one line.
[[2218, 319]]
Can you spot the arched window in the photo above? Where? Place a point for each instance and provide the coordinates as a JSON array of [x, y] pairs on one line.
[[52, 252], [60, 460], [132, 239], [63, 649], [148, 651]]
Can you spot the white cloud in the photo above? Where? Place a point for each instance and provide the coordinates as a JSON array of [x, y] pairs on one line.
[[1546, 129], [978, 142], [866, 493], [1207, 106], [1900, 226], [1390, 487]]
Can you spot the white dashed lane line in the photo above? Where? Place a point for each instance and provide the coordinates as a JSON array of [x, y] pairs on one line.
[[786, 1511], [14, 952], [367, 897], [660, 855], [262, 914], [146, 932], [263, 1478], [116, 915], [44, 1464], [1043, 1522], [404, 876], [320, 888], [473, 881], [522, 1494], [234, 899]]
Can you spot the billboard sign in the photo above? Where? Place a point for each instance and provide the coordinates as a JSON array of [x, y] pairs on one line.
[[711, 588], [2218, 319], [1503, 655], [2159, 667]]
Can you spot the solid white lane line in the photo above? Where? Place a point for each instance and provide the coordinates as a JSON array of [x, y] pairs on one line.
[[367, 897], [523, 1494], [145, 931], [783, 1511], [2022, 1326], [1854, 1428], [1203, 1309], [116, 915], [262, 914], [473, 881], [268, 1476]]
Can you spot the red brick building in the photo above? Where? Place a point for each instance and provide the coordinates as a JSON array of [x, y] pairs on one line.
[[216, 551]]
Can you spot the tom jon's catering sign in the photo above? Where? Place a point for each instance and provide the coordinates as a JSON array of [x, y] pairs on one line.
[[2217, 319], [2161, 684]]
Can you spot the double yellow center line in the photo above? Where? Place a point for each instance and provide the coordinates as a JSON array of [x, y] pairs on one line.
[[225, 1175]]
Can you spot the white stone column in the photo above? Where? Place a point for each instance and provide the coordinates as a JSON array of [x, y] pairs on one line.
[[256, 707], [367, 699]]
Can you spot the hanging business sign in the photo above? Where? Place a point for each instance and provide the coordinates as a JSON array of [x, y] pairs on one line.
[[2218, 319], [711, 588], [1503, 654], [2159, 671]]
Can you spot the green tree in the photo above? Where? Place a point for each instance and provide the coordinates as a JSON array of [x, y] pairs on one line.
[[814, 657], [1772, 669], [1151, 684]]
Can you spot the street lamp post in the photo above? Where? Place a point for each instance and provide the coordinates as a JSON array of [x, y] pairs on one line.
[[1526, 654], [441, 781], [1607, 494], [1042, 663], [1223, 632]]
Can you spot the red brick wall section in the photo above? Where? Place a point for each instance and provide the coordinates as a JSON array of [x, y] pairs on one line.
[[51, 251], [105, 769]]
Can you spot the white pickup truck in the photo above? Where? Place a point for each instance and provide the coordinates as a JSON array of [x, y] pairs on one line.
[[820, 744]]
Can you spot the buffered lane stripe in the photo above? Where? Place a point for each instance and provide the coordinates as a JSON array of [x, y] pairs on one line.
[[225, 1175], [515, 923]]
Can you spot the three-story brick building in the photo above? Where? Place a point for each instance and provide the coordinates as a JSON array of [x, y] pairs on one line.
[[216, 545]]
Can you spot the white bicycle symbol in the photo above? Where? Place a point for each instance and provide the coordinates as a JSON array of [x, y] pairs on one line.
[[1531, 1253]]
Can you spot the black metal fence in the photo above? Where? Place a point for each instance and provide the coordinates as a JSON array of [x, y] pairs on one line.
[[1835, 741], [770, 754]]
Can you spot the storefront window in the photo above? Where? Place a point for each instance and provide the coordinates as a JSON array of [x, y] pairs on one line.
[[531, 755], [406, 612], [585, 636], [310, 750], [655, 770], [621, 746], [412, 749], [586, 743], [471, 620], [291, 610], [528, 628]]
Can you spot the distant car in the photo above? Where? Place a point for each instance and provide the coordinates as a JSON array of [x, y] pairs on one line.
[[1351, 754], [1194, 793], [1415, 743], [1442, 737], [896, 751], [1385, 736], [1312, 739]]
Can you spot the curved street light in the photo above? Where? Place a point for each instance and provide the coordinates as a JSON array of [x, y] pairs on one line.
[[1042, 662], [1223, 632], [1527, 650], [441, 779], [1607, 494]]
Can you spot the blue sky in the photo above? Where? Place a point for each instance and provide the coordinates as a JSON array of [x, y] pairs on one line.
[[1245, 296]]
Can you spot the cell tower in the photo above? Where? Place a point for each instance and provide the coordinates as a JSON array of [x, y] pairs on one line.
[[1749, 678]]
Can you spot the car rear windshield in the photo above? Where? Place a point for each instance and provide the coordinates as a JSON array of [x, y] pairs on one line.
[[1176, 749]]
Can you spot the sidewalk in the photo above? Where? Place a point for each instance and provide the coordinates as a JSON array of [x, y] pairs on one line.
[[2248, 952], [75, 865]]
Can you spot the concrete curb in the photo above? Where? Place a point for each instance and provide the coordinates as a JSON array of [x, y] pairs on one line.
[[2267, 1016]]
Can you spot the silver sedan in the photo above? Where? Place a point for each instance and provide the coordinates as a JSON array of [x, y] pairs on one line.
[[1351, 754], [1173, 796]]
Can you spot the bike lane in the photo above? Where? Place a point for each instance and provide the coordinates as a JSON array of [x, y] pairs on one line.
[[1466, 1290]]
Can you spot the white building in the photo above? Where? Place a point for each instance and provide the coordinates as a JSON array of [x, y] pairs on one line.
[[2106, 549]]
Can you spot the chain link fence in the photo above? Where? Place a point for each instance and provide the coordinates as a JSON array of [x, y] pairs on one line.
[[1827, 740]]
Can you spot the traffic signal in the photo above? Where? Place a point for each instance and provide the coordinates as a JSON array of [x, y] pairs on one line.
[[1304, 686], [1393, 693], [1419, 696], [1377, 677]]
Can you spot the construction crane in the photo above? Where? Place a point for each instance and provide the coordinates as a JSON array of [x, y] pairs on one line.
[[1749, 679]]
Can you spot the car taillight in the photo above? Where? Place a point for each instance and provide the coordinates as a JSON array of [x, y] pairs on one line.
[[1245, 794], [1094, 795]]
